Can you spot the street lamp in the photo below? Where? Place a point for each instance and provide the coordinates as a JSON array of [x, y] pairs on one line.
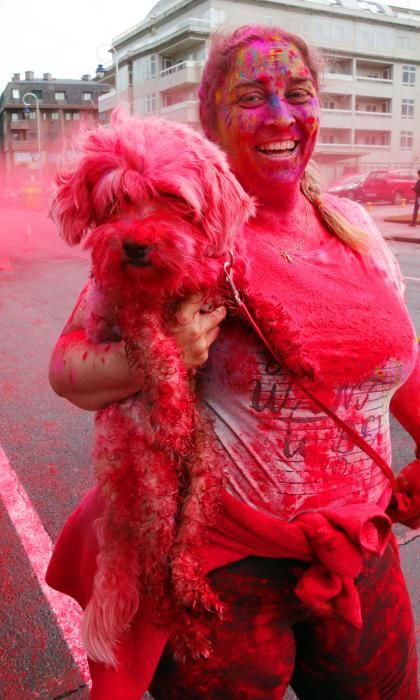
[[100, 69], [38, 123]]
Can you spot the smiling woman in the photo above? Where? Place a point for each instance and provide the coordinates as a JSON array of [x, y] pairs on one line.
[[299, 550]]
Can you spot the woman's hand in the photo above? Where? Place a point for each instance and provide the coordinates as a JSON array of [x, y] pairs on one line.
[[196, 328], [405, 504], [94, 375]]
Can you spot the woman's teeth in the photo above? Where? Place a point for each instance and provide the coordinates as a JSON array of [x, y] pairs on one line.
[[277, 148]]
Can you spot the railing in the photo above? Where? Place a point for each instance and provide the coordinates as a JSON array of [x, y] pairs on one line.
[[336, 144], [372, 145], [179, 66], [339, 111], [177, 106], [19, 124], [365, 112], [339, 76], [388, 81]]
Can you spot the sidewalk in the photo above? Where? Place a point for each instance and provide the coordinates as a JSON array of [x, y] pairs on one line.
[[395, 231]]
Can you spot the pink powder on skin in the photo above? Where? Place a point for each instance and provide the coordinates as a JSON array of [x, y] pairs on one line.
[[268, 96]]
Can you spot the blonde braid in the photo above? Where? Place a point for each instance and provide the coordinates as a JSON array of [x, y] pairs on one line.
[[335, 222]]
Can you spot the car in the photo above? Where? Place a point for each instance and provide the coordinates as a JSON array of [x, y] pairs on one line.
[[378, 186], [348, 187], [388, 186]]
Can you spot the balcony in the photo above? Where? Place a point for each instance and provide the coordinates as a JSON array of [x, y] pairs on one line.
[[335, 117], [339, 76], [185, 36], [185, 73], [29, 145], [21, 124], [108, 101], [374, 79], [185, 112]]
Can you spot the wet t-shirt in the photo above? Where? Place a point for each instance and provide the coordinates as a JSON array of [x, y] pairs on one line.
[[282, 453]]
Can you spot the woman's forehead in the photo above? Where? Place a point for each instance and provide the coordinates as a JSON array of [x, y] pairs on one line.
[[262, 58]]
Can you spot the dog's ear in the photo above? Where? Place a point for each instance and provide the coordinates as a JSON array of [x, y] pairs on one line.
[[71, 207], [228, 206]]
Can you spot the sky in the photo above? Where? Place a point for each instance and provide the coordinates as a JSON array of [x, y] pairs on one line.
[[62, 38], [67, 38]]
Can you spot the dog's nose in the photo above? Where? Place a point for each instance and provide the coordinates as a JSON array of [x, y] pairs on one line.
[[136, 253]]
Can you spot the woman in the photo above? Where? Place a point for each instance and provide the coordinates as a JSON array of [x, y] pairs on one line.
[[291, 472]]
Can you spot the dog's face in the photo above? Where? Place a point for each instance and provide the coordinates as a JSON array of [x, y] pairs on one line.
[[134, 164], [156, 248]]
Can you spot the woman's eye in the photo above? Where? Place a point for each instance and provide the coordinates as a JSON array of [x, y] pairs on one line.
[[298, 95], [251, 99]]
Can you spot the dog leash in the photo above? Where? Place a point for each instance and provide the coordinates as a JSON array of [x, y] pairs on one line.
[[357, 439]]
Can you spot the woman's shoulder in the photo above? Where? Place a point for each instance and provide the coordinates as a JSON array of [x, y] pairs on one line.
[[380, 252], [354, 212]]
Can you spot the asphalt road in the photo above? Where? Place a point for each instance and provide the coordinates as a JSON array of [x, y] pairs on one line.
[[44, 442]]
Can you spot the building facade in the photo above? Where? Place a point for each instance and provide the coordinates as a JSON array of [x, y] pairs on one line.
[[370, 97], [39, 117]]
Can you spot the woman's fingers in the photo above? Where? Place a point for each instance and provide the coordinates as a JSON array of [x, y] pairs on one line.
[[196, 327]]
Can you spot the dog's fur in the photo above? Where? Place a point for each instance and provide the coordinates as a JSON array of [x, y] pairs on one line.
[[158, 208]]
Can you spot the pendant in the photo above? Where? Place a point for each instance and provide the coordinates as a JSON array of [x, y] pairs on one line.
[[286, 256]]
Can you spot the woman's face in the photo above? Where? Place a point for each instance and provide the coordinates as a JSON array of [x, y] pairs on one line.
[[267, 115]]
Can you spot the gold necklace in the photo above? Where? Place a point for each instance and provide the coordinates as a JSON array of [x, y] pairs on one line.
[[286, 254]]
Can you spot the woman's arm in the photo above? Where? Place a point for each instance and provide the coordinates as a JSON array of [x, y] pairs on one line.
[[93, 375], [405, 404]]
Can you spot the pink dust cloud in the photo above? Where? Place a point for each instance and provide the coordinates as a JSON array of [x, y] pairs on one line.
[[25, 195]]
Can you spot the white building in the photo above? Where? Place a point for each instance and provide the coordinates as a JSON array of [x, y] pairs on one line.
[[370, 98]]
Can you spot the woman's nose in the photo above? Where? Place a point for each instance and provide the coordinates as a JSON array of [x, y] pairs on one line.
[[279, 112]]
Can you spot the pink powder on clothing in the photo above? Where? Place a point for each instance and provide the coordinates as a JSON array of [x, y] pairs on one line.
[[284, 455]]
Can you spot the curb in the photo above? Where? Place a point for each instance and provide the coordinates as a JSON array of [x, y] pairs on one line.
[[403, 239]]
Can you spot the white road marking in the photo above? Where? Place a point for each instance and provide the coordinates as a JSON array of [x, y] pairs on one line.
[[38, 547], [415, 279]]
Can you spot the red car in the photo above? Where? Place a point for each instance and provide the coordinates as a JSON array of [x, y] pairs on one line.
[[388, 186], [379, 186]]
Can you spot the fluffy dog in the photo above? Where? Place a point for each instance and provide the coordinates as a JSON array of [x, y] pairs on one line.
[[158, 208]]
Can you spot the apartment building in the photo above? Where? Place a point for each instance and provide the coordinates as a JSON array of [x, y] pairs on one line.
[[370, 97], [38, 118]]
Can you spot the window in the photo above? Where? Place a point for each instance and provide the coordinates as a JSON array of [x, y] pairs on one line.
[[15, 116], [150, 103], [76, 116], [55, 116], [67, 116], [406, 139], [31, 114], [151, 66], [407, 109], [60, 96], [269, 19], [87, 96], [406, 42], [408, 75], [328, 103], [15, 94]]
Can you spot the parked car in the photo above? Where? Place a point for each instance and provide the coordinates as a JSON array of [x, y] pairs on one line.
[[378, 186], [349, 187], [388, 186]]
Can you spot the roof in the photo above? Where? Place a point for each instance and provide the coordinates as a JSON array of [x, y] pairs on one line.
[[161, 6]]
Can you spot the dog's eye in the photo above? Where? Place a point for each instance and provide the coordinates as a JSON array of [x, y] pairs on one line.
[[181, 204]]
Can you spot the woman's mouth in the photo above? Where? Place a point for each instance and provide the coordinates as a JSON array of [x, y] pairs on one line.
[[278, 149]]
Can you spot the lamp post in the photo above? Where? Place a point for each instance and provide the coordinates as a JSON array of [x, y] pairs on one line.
[[38, 123], [100, 69]]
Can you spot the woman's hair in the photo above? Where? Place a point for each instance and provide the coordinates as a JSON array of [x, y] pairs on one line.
[[223, 49]]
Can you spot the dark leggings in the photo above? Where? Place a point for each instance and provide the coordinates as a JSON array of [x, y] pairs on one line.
[[269, 640]]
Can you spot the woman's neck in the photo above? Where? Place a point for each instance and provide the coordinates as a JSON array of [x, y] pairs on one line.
[[286, 210]]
